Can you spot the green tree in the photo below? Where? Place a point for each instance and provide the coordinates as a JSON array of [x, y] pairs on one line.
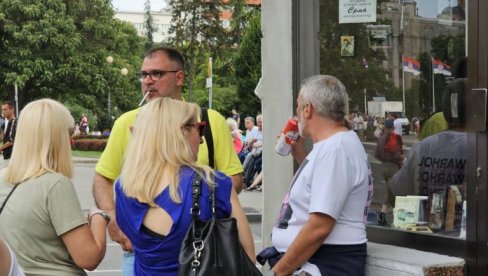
[[248, 67], [148, 24], [57, 49], [196, 30], [448, 49]]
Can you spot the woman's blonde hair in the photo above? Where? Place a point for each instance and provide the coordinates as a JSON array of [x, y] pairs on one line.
[[159, 146], [42, 142]]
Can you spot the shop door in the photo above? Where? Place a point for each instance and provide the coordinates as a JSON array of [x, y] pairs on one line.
[[477, 230]]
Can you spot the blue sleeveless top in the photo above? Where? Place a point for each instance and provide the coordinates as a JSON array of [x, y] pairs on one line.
[[159, 256]]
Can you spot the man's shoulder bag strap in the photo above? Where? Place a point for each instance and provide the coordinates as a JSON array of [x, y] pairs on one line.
[[207, 133]]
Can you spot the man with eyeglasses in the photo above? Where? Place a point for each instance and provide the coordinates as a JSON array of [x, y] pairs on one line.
[[162, 75]]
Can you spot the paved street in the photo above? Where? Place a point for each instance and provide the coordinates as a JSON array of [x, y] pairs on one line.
[[251, 201]]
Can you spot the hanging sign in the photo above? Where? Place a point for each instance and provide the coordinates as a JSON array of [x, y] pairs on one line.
[[357, 11]]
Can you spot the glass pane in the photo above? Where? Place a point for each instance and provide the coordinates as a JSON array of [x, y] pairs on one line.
[[401, 73]]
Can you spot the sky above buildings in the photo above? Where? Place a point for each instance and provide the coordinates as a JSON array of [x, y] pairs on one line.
[[431, 8], [426, 8], [137, 5]]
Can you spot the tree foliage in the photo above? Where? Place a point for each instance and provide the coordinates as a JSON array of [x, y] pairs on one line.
[[58, 49], [248, 67], [196, 30], [148, 25], [449, 49]]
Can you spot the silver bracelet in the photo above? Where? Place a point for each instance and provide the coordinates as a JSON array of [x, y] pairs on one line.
[[104, 214]]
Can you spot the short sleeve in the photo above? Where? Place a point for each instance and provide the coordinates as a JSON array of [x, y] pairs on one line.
[[110, 163], [64, 207]]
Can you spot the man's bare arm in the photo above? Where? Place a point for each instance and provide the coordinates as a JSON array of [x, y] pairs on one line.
[[104, 199], [237, 182], [308, 240], [6, 145]]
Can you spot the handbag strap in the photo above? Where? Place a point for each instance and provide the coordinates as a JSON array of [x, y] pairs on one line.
[[207, 133], [196, 192], [8, 196]]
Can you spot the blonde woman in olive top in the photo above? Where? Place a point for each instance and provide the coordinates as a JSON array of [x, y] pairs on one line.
[[42, 219]]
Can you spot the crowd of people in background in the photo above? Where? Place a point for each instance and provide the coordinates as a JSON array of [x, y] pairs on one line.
[[249, 146]]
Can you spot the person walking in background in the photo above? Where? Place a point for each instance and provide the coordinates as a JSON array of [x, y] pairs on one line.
[[84, 125], [389, 151], [162, 75], [397, 125], [41, 217], [154, 192], [8, 111], [321, 227]]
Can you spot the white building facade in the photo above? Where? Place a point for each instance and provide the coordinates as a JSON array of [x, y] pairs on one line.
[[161, 22]]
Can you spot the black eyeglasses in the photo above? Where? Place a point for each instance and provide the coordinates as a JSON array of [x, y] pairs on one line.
[[200, 127], [155, 75]]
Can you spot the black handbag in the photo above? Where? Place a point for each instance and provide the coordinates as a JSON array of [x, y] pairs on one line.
[[212, 248]]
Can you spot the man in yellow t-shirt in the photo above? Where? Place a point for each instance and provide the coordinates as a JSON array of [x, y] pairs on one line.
[[162, 75]]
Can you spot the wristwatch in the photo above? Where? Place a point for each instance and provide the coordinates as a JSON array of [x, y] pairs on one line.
[[104, 214]]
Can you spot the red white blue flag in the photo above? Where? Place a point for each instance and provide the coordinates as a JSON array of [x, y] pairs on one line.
[[411, 65], [440, 67]]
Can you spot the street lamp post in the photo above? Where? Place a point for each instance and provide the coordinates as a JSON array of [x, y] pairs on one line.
[[123, 72], [109, 60], [365, 103]]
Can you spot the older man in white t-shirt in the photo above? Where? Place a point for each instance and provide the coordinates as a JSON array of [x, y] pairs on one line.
[[321, 227]]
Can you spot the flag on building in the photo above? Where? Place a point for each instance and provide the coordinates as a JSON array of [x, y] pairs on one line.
[[440, 67], [411, 65]]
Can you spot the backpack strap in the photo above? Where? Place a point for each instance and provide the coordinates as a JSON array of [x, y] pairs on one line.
[[207, 133]]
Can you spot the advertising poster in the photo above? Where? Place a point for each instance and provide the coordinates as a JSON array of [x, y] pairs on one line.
[[347, 46], [357, 11]]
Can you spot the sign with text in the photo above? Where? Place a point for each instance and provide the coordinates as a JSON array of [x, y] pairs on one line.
[[357, 11]]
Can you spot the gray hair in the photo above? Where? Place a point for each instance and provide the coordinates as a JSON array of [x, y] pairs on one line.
[[326, 94], [249, 118], [231, 123], [259, 117]]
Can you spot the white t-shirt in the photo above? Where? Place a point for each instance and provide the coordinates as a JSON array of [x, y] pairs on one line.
[[259, 137], [251, 134], [334, 179], [397, 127]]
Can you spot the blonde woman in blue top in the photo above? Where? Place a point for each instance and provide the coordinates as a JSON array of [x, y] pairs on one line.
[[153, 194]]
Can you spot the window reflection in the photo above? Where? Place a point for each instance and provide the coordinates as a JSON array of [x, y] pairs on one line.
[[408, 58]]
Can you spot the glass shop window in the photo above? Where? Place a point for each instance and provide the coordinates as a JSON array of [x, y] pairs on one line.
[[404, 68]]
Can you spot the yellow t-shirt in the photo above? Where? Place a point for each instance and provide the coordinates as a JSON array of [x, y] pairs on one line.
[[110, 163]]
